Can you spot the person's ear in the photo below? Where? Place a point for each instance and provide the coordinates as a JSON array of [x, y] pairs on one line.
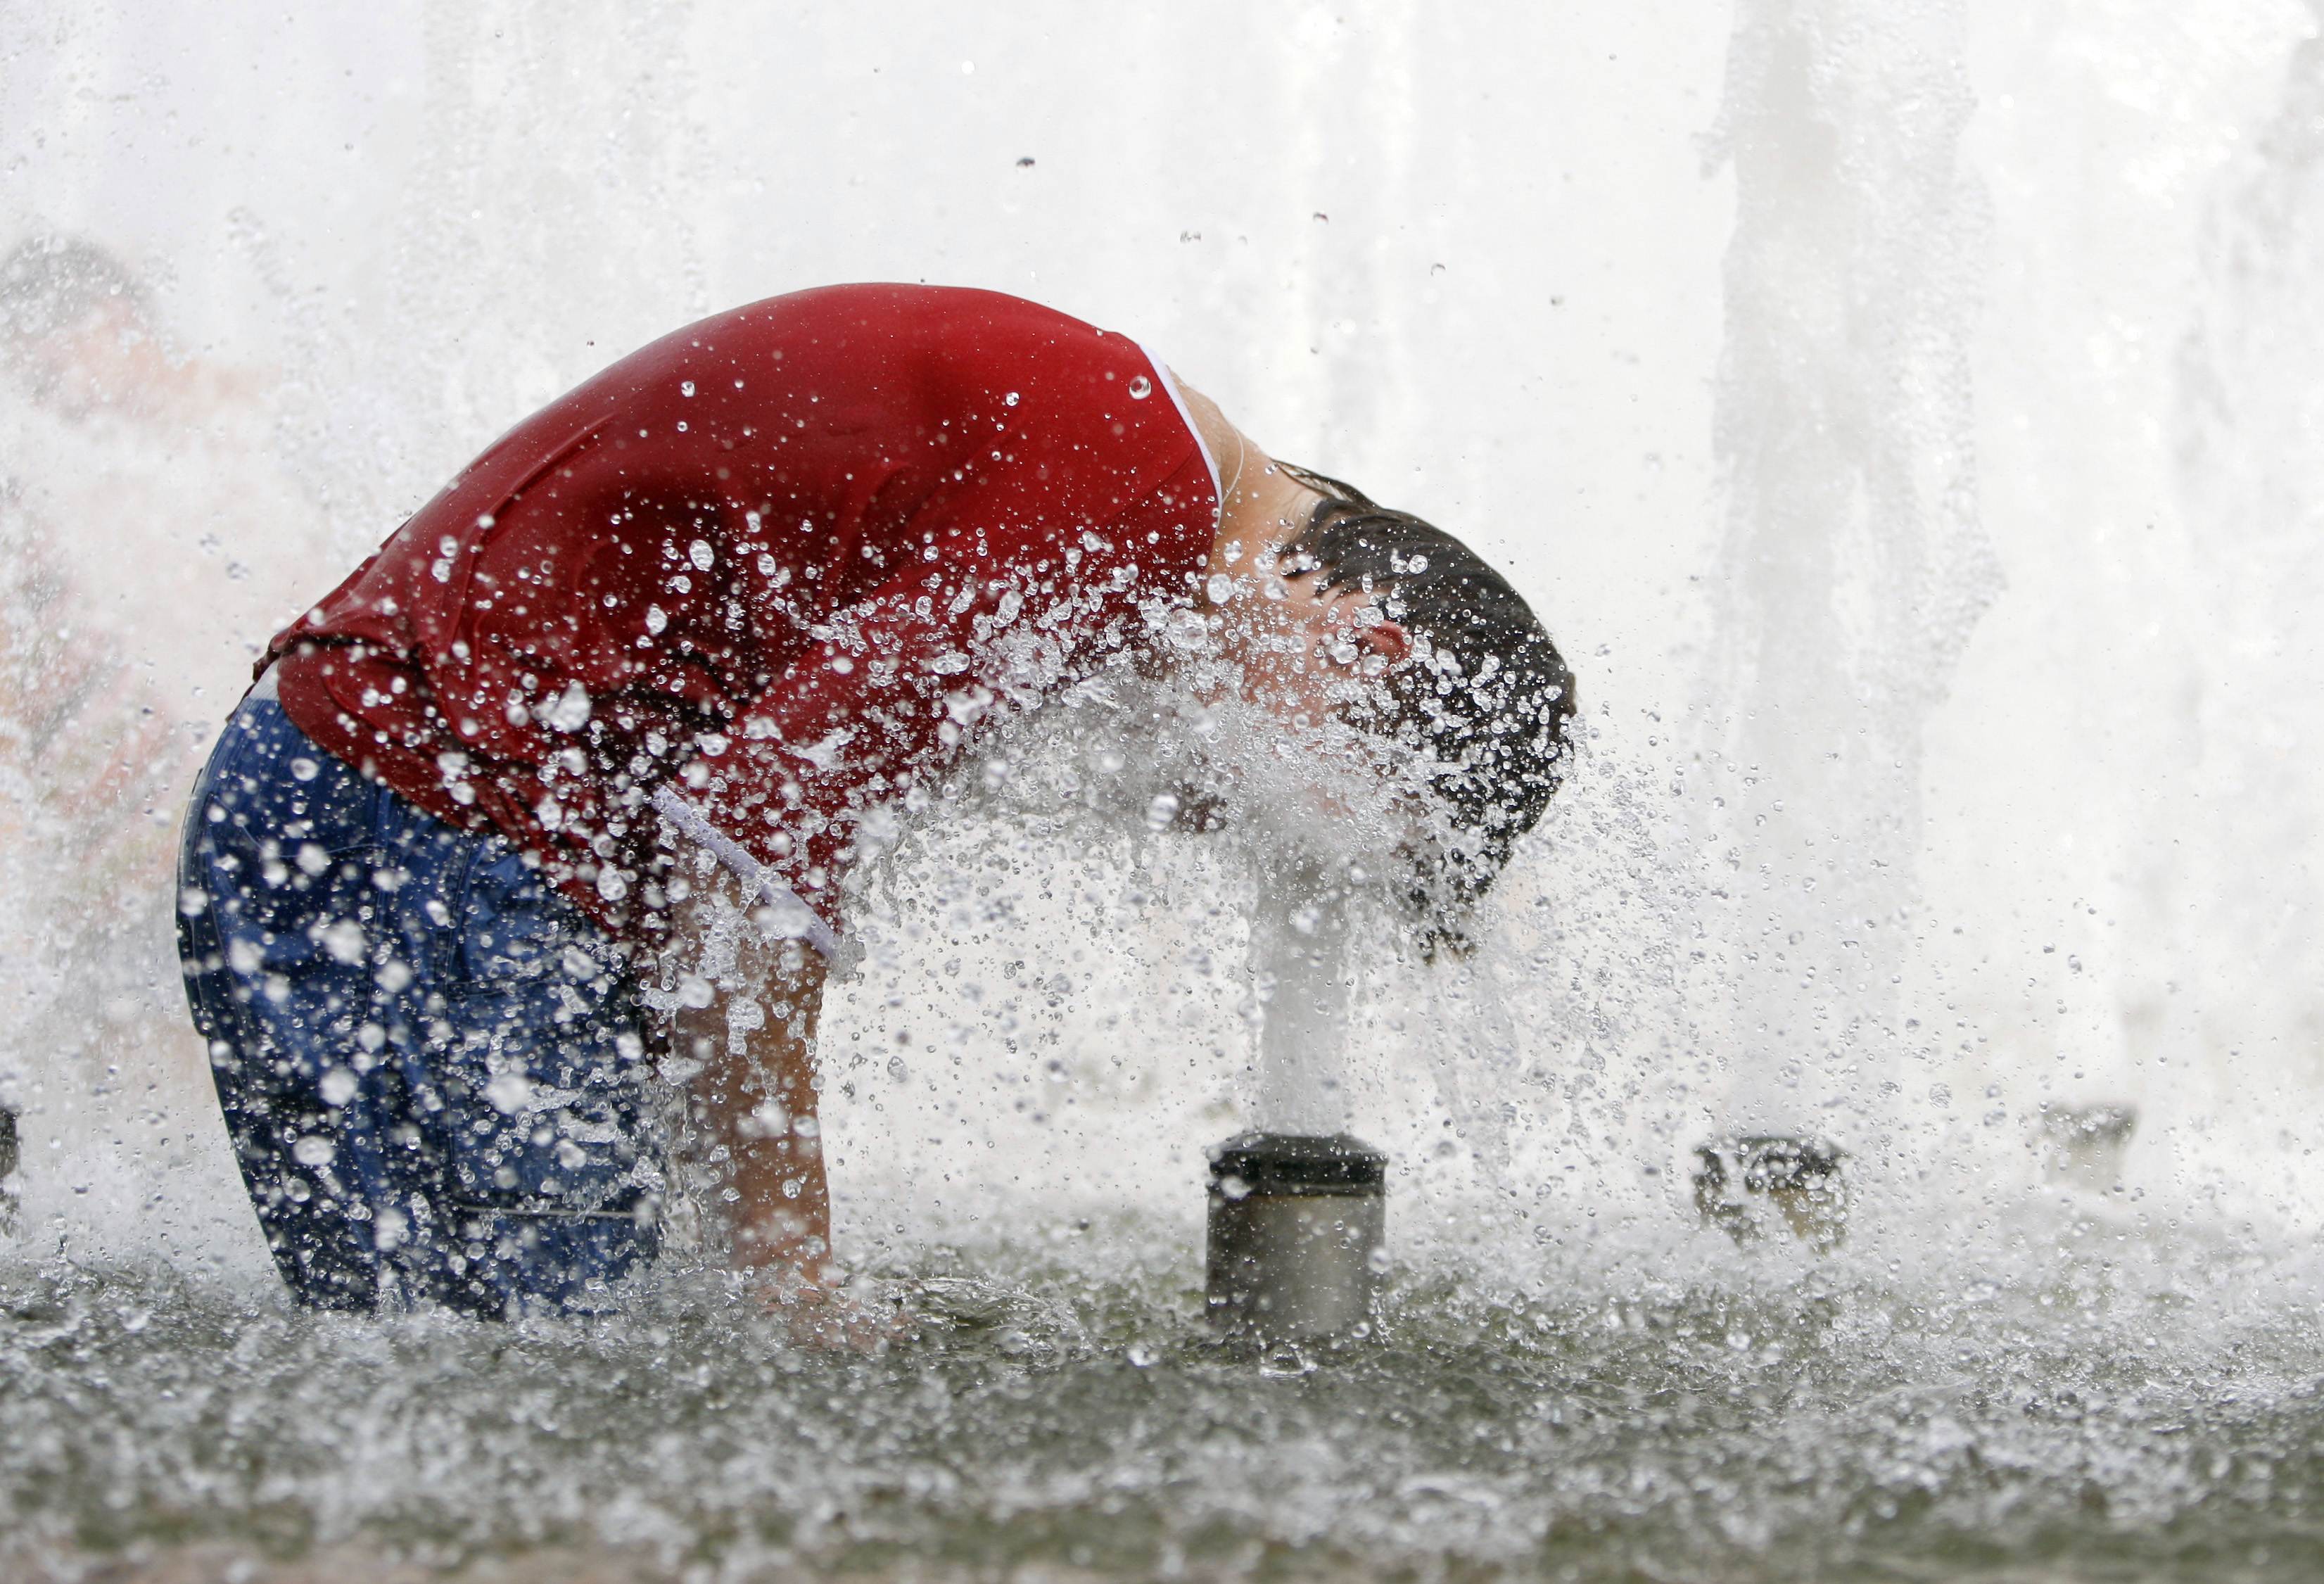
[[1386, 638]]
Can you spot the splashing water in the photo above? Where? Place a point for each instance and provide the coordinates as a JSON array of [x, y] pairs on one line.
[[1917, 405]]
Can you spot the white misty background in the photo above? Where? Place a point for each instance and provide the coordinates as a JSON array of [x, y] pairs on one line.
[[1487, 261]]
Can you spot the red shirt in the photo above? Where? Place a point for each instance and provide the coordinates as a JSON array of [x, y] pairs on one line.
[[776, 563]]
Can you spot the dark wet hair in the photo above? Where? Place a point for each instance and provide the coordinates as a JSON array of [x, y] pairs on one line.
[[1485, 692], [51, 283]]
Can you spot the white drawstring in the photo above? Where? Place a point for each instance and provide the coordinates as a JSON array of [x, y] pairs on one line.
[[793, 919]]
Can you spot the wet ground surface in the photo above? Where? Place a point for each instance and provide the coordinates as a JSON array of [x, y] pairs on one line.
[[1051, 1423]]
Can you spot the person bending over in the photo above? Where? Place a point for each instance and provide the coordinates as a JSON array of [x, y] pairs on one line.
[[704, 628]]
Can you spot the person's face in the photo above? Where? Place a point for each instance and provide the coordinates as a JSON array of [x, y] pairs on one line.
[[1313, 670], [107, 359], [1304, 657]]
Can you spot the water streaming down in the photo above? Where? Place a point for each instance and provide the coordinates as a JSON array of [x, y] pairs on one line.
[[1854, 565], [1922, 493], [1299, 968]]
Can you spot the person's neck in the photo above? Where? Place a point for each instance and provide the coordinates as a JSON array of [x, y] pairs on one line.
[[1262, 508], [1260, 504]]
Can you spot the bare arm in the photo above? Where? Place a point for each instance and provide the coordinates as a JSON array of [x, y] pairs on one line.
[[749, 1006]]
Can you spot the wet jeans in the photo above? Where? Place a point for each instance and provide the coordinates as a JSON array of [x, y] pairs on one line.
[[433, 1068]]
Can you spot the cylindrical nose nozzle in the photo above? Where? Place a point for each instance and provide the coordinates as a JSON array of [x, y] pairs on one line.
[[1297, 1226]]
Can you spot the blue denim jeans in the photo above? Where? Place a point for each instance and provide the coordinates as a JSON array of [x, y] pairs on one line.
[[434, 1069]]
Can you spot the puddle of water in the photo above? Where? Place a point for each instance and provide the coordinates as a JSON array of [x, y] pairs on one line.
[[2111, 1419]]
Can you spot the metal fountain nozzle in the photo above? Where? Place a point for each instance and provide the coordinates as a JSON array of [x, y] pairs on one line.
[[1739, 1181], [8, 1158], [1298, 1225], [2084, 1147]]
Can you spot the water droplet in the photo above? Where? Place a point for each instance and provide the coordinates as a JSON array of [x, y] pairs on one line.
[[1285, 1359], [1185, 629], [508, 1092], [311, 1151], [569, 711], [1141, 387], [342, 938], [685, 387], [1009, 400]]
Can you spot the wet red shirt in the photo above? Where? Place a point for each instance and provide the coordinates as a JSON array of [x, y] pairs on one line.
[[777, 564]]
